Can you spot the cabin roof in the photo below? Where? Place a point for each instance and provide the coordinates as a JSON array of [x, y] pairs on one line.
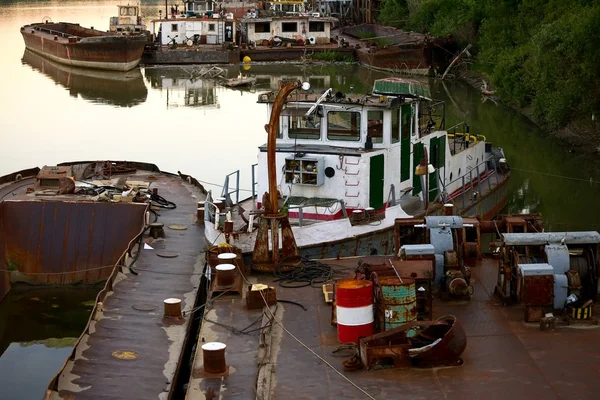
[[289, 18], [313, 149], [298, 100]]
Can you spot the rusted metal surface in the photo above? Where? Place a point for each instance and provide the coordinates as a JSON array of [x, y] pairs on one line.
[[396, 302], [435, 343], [261, 256], [123, 320], [446, 352], [271, 129], [45, 239], [19, 175], [537, 290], [94, 49]]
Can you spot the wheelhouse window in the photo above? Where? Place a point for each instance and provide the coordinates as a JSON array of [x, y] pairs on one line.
[[289, 27], [211, 27], [375, 126], [395, 126], [301, 127], [174, 27], [316, 26], [262, 27], [343, 125]]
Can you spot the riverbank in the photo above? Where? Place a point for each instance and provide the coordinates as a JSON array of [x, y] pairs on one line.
[[582, 136]]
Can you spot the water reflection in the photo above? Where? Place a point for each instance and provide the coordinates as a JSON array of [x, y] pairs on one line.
[[547, 176], [38, 328], [184, 87], [123, 89]]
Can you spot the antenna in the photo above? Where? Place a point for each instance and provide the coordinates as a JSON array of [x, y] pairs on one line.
[[314, 107]]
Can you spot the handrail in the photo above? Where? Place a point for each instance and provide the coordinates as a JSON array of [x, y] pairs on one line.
[[254, 183], [301, 207], [226, 192], [490, 158]]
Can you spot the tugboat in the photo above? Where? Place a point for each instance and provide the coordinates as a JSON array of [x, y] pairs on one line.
[[345, 166]]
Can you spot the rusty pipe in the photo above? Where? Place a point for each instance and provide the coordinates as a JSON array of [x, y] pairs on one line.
[[271, 129]]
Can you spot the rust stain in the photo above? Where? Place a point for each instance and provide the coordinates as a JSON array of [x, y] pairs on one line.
[[41, 237]]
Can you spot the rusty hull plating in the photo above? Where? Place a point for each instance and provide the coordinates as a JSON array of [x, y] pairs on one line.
[[50, 235]]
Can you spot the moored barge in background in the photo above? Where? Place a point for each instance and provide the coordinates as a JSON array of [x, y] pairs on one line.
[[74, 45]]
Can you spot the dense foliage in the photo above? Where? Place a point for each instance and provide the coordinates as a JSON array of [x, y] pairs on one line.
[[539, 54]]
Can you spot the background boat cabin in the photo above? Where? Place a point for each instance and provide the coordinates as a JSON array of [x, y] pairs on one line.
[[317, 30]]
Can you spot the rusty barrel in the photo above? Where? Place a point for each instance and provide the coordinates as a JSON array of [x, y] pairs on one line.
[[354, 310], [225, 276], [397, 302], [213, 354]]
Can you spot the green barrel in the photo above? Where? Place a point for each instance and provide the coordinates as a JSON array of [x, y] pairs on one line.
[[398, 302]]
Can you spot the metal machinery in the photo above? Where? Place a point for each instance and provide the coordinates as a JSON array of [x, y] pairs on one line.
[[549, 270], [444, 240]]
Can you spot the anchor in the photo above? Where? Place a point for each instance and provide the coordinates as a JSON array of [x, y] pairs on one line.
[[273, 219]]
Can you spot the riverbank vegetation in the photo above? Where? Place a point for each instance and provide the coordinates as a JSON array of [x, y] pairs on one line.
[[542, 56]]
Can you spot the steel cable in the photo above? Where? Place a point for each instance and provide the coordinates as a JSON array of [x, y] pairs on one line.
[[307, 273]]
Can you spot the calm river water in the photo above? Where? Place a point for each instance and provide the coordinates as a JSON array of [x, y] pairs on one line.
[[163, 115]]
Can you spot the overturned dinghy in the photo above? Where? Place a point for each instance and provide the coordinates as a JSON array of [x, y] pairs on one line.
[[417, 344]]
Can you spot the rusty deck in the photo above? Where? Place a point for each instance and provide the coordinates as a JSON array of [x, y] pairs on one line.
[[505, 357], [129, 350]]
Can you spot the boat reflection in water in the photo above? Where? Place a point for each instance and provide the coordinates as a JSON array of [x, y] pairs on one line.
[[123, 89], [184, 87]]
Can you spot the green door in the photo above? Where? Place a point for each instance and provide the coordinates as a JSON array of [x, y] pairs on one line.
[[376, 176], [405, 142], [417, 154]]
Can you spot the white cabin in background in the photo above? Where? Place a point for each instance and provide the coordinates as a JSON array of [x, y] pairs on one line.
[[315, 30], [194, 31]]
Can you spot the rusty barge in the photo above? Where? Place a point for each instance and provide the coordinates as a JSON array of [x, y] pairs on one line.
[[74, 45], [83, 222], [390, 49]]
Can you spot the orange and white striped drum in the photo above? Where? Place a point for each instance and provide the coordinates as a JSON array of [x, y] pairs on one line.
[[354, 310]]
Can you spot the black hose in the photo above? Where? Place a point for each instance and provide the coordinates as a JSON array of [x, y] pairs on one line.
[[162, 202], [156, 215], [139, 251], [293, 302]]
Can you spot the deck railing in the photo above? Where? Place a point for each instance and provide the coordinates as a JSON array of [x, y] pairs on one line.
[[227, 192], [301, 208], [474, 176]]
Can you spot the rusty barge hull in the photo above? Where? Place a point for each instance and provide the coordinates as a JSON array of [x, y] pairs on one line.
[[390, 49], [73, 45]]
